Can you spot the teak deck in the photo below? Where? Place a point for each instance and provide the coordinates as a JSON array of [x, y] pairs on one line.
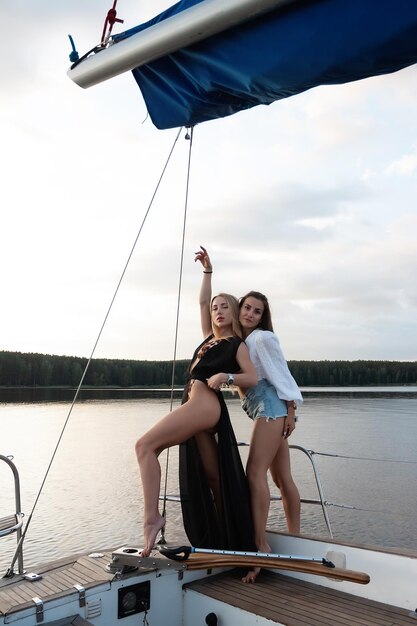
[[274, 596], [58, 580], [297, 603]]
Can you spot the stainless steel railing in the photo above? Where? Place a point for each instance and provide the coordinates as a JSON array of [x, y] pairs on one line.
[[320, 501], [13, 523]]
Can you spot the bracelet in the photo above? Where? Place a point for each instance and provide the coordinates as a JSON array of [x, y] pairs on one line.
[[210, 272]]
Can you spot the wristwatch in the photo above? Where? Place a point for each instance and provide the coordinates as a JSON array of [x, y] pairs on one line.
[[230, 380]]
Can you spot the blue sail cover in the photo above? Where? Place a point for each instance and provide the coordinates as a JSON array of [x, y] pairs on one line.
[[277, 55]]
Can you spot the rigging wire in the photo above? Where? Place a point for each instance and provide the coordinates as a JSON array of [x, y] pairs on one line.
[[188, 136], [10, 570]]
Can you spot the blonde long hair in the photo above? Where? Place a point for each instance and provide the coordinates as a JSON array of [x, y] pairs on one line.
[[234, 307]]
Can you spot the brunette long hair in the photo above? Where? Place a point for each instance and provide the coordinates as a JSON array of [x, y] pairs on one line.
[[266, 319], [234, 307]]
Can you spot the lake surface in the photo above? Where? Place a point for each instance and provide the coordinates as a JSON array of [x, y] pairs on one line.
[[91, 499]]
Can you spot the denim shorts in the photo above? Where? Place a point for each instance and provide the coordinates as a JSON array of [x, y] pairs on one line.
[[263, 401]]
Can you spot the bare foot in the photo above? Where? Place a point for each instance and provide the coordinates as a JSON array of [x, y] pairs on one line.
[[150, 533], [253, 573]]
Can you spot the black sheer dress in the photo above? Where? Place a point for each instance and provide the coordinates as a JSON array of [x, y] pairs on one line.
[[231, 528]]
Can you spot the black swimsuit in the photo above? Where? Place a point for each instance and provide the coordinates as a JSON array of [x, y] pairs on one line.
[[215, 358], [204, 529]]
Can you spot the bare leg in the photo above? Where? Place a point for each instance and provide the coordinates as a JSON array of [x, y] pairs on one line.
[[209, 454], [265, 442], [200, 413], [282, 477]]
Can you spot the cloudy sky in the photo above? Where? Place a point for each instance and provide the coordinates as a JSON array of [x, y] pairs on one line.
[[312, 200]]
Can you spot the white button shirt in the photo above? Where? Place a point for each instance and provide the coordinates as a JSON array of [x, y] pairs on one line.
[[269, 361]]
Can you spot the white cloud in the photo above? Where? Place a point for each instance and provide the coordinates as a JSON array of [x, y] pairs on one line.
[[405, 166], [295, 199]]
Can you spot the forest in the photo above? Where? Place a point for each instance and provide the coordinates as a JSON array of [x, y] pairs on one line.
[[18, 369]]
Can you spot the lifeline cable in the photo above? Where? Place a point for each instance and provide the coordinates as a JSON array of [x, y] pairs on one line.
[[326, 503], [361, 458], [346, 456], [187, 187], [9, 572]]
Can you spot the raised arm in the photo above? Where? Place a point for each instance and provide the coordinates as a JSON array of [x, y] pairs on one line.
[[205, 291]]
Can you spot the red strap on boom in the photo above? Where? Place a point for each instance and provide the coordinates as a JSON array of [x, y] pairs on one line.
[[110, 21]]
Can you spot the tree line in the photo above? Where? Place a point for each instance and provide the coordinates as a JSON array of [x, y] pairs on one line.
[[18, 369], [44, 370]]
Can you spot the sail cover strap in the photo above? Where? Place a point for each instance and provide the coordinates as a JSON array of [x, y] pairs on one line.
[[277, 55]]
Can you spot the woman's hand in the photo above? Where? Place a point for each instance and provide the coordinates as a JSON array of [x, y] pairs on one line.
[[203, 257], [289, 422], [216, 381]]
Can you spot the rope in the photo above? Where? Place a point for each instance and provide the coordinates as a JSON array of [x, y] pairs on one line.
[[74, 56], [93, 351], [111, 19], [187, 187], [109, 22]]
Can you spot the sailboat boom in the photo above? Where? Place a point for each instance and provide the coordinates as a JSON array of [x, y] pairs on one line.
[[173, 33]]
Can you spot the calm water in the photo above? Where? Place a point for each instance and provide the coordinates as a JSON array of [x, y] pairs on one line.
[[92, 497]]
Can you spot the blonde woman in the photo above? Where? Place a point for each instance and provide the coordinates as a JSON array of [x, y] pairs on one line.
[[222, 355]]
